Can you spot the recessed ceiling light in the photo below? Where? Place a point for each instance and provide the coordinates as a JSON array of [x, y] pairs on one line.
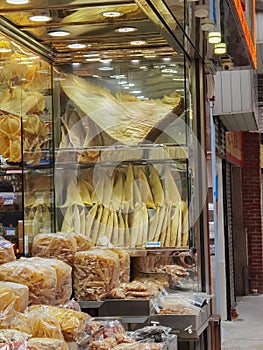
[[89, 55], [137, 42], [135, 61], [58, 33], [112, 14], [17, 2], [106, 60], [40, 18], [136, 92], [92, 59], [76, 46], [105, 68], [126, 29]]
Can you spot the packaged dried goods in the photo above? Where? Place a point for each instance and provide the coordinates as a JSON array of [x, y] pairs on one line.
[[40, 279], [64, 277], [46, 344], [58, 245], [21, 292], [95, 273], [13, 339], [124, 261], [6, 251], [135, 290]]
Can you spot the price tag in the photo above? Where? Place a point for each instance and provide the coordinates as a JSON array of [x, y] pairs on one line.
[[153, 244]]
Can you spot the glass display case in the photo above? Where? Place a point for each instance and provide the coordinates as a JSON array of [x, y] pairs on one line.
[[26, 146]]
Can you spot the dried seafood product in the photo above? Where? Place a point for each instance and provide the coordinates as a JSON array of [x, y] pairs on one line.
[[46, 344]]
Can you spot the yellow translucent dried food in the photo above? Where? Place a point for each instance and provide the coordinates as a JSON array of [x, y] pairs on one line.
[[156, 186], [64, 278], [44, 324], [58, 245], [33, 126], [72, 322], [7, 302], [46, 344], [10, 126], [21, 293], [40, 279], [20, 322], [15, 150], [6, 251]]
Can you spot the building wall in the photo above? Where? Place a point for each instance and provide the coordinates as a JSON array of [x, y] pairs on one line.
[[251, 189]]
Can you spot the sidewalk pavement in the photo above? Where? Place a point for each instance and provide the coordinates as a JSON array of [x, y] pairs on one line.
[[246, 332]]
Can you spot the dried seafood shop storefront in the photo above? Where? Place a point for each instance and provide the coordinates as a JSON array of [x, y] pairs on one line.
[[117, 191]]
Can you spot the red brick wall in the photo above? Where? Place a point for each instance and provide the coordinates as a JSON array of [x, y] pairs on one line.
[[251, 193]]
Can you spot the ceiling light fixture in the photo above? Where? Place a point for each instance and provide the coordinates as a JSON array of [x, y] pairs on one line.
[[207, 24], [40, 18], [137, 42], [105, 68], [17, 2], [214, 37], [76, 46], [58, 33], [126, 29], [220, 48], [201, 11], [112, 14]]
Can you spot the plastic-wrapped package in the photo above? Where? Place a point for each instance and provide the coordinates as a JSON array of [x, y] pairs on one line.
[[21, 292], [13, 339], [124, 261], [156, 334], [20, 322], [140, 346], [58, 245], [177, 304], [95, 273], [64, 277], [46, 344], [44, 324], [40, 279], [7, 302], [73, 323], [6, 251], [105, 327], [134, 290], [82, 242]]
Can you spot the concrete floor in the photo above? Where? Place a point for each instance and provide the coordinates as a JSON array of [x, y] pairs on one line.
[[246, 332]]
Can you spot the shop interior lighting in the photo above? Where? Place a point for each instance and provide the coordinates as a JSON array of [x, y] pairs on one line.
[[17, 2], [201, 11], [137, 42], [112, 14], [220, 48], [76, 46], [135, 61], [59, 33], [105, 60], [126, 29], [40, 18], [105, 68], [207, 24], [214, 37]]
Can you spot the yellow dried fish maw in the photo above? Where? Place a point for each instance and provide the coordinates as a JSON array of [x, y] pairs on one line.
[[89, 221], [179, 235], [115, 230], [160, 224], [185, 234], [156, 186], [4, 146], [117, 189], [121, 229], [143, 184], [101, 189], [109, 226], [103, 222], [165, 225], [128, 186], [84, 189], [96, 225], [10, 126], [172, 194], [175, 217], [137, 199], [127, 237], [145, 223], [69, 180], [33, 126], [67, 225], [153, 225], [15, 150], [168, 230]]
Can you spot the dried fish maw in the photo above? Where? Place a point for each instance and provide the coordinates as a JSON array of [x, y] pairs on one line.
[[179, 235], [103, 222], [117, 188], [90, 217], [172, 194], [67, 225], [76, 219], [15, 150], [185, 234], [137, 199], [165, 225], [144, 223], [10, 126], [160, 224], [128, 186], [115, 230], [70, 187], [94, 233], [33, 126], [143, 184], [101, 191], [135, 227], [4, 147], [175, 217], [84, 189], [153, 225], [156, 186], [168, 230], [109, 226], [127, 236], [121, 229]]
